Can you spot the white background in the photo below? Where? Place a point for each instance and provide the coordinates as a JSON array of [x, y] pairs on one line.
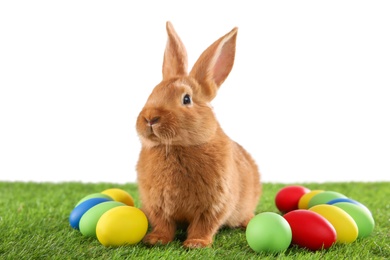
[[308, 95]]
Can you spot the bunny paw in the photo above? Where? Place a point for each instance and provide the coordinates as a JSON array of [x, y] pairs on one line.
[[197, 243], [155, 239]]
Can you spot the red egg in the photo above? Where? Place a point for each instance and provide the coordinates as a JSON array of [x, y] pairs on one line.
[[311, 231], [287, 198]]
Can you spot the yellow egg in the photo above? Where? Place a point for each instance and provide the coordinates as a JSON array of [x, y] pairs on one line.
[[343, 223], [123, 225], [304, 200], [119, 195]]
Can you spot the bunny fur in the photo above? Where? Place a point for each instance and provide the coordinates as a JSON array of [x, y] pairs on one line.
[[189, 171]]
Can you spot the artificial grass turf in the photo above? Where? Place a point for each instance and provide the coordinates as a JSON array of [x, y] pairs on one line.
[[34, 225]]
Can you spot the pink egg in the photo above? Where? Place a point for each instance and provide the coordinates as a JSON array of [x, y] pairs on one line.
[[310, 230], [287, 198]]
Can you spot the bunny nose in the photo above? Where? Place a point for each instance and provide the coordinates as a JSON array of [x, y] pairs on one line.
[[152, 121]]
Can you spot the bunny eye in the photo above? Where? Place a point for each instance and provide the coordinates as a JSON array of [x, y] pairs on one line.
[[187, 99]]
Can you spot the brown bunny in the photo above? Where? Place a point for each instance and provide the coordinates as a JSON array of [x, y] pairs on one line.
[[189, 170]]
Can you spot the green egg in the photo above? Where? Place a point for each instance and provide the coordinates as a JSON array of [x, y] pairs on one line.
[[324, 197], [363, 218], [94, 195], [268, 232], [90, 218]]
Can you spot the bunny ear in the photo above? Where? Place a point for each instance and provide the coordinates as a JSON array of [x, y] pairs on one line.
[[175, 56], [215, 64]]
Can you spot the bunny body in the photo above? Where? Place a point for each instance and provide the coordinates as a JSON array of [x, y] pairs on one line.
[[189, 170]]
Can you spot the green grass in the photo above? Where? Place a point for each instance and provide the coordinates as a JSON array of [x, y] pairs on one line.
[[34, 225]]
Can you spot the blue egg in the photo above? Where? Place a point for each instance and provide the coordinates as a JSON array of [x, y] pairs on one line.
[[83, 207], [334, 201]]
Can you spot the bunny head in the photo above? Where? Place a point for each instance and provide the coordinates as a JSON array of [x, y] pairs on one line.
[[178, 111]]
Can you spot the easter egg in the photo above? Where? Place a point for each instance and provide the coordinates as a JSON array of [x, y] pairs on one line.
[[268, 232], [83, 207], [119, 195], [88, 221], [288, 197], [343, 223], [324, 197], [304, 200], [349, 201], [94, 195], [310, 230], [363, 219], [122, 225]]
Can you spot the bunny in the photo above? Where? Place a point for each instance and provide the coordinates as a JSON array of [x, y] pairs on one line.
[[189, 171]]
